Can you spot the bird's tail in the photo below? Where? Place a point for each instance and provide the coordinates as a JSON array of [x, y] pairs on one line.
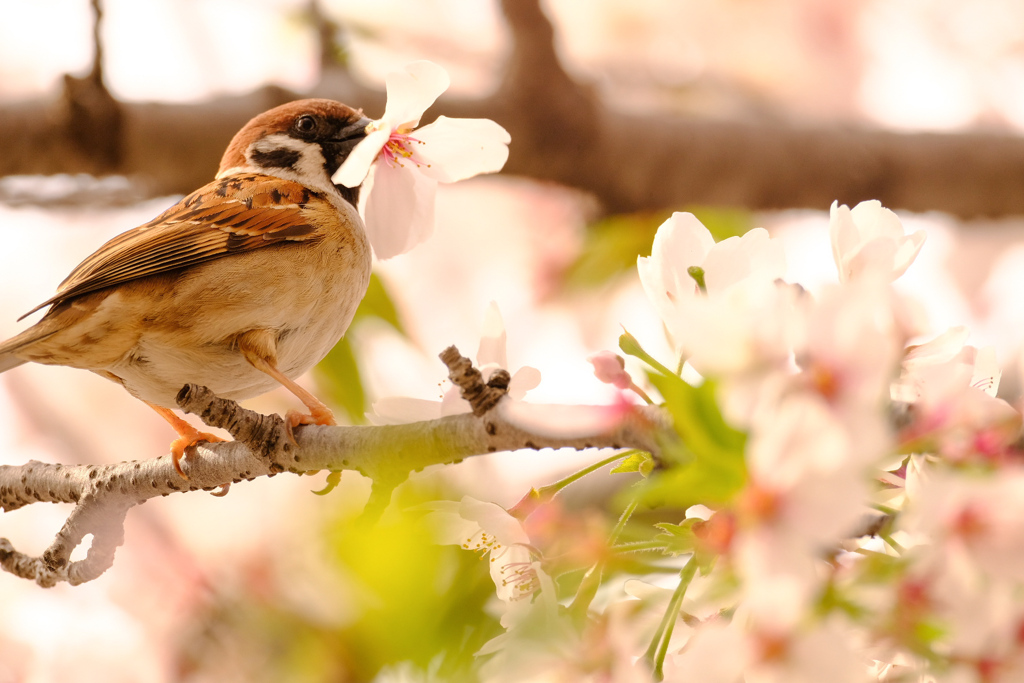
[[8, 361], [9, 357]]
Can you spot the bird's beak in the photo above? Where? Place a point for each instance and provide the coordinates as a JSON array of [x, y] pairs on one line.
[[352, 133], [338, 147]]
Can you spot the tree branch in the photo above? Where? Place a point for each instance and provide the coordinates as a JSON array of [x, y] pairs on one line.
[[103, 494]]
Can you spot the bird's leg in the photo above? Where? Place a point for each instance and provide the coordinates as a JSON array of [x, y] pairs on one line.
[[259, 347], [187, 435]]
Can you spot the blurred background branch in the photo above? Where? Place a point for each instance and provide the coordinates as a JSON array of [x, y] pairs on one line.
[[563, 132]]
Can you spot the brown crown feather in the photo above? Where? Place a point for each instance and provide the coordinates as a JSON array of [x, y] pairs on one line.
[[279, 120]]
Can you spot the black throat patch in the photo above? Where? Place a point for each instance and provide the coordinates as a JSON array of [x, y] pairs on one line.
[[351, 194]]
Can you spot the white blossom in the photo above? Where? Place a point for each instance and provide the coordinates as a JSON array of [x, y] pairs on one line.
[[870, 240]]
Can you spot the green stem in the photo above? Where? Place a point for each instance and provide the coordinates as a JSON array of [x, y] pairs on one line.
[[623, 519], [697, 273], [585, 593], [892, 543], [546, 492], [655, 654], [638, 546], [631, 347], [641, 393], [592, 579]]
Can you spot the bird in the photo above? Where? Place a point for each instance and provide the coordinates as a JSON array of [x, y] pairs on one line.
[[241, 286]]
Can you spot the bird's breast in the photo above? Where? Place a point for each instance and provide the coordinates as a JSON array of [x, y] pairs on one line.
[[304, 292]]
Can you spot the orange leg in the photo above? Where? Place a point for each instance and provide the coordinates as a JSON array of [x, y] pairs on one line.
[[259, 348], [187, 436]]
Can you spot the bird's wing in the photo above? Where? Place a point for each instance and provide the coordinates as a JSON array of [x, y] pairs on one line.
[[233, 214]]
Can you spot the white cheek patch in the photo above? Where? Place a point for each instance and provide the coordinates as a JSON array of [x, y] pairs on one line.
[[290, 159]]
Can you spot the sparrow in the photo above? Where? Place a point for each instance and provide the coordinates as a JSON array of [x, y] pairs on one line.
[[241, 286]]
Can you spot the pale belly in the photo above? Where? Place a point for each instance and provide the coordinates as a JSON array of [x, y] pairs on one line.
[[307, 298]]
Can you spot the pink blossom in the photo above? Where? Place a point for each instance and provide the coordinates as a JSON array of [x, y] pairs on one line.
[[408, 163], [491, 356]]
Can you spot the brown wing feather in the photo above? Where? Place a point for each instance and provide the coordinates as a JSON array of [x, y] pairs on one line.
[[233, 214]]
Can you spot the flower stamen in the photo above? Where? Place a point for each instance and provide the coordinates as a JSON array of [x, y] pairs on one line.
[[522, 577], [399, 148]]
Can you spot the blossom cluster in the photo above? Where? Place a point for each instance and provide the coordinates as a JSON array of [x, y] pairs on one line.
[[848, 496], [842, 500]]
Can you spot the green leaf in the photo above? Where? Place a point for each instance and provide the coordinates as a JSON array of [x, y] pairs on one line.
[[340, 382], [706, 465], [697, 417], [638, 461], [678, 538], [834, 599], [611, 246], [723, 222], [333, 479], [378, 304], [413, 600]]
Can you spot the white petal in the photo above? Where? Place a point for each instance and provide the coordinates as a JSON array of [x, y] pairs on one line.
[[412, 91], [495, 520], [874, 220], [456, 149], [875, 257], [844, 237], [737, 258], [450, 527], [399, 209], [492, 339], [681, 241], [908, 250], [986, 371], [354, 169]]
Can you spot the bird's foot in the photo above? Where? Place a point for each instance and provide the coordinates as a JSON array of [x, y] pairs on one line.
[[186, 440], [318, 415]]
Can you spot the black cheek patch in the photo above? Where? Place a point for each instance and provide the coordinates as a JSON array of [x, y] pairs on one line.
[[281, 157]]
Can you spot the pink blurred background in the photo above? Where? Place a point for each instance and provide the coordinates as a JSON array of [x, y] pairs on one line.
[[899, 64]]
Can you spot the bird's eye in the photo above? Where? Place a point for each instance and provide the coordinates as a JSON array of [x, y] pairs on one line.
[[305, 124]]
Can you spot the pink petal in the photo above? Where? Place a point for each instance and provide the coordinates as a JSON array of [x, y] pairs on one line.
[[523, 379], [456, 149], [399, 210], [412, 91], [562, 421], [610, 369], [452, 403], [354, 169], [402, 410]]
